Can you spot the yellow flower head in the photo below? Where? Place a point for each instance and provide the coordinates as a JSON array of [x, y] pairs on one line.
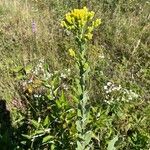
[[72, 52], [80, 21], [89, 36], [97, 22]]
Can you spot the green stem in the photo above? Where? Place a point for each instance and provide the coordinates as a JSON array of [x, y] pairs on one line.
[[82, 105]]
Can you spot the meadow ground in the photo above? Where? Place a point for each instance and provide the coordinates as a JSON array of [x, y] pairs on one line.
[[31, 37]]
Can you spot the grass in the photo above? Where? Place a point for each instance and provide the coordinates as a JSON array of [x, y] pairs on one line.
[[119, 53]]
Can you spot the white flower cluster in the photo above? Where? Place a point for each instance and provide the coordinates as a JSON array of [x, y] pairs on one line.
[[101, 56], [110, 87], [65, 74], [37, 95], [116, 93], [39, 68]]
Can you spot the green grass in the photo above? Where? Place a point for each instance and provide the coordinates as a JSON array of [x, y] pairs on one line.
[[123, 36], [119, 52]]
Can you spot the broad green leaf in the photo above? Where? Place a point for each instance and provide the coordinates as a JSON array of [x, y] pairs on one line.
[[79, 113], [35, 123], [79, 146], [23, 142], [86, 66], [47, 138], [20, 76], [46, 121], [26, 136], [17, 69], [28, 68], [75, 99], [79, 89], [111, 144], [52, 147], [62, 98], [38, 132], [78, 126], [85, 97], [58, 103], [88, 136]]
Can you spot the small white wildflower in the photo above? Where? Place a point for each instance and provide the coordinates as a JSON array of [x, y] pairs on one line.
[[130, 98], [36, 95], [119, 87], [108, 91], [105, 87], [133, 94], [35, 71], [109, 83], [47, 75], [106, 101], [39, 119], [41, 60], [63, 75], [64, 86], [69, 70], [30, 81], [40, 65], [24, 84], [115, 88], [101, 56]]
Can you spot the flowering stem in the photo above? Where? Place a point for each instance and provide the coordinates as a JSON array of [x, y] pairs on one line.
[[80, 23], [83, 99]]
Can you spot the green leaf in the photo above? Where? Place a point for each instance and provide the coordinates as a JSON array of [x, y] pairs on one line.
[[78, 126], [79, 113], [52, 147], [38, 132], [35, 123], [111, 144], [46, 121], [75, 99], [86, 66], [79, 89], [23, 142], [17, 69], [79, 146], [28, 68], [26, 136], [88, 136], [47, 138], [20, 76], [85, 99], [58, 103]]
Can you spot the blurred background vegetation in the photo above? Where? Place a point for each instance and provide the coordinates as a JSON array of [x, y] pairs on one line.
[[123, 39], [119, 54]]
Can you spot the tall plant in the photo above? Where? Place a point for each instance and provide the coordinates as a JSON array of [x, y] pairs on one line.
[[80, 22]]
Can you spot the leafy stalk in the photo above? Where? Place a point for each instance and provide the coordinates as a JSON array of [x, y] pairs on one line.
[[80, 23]]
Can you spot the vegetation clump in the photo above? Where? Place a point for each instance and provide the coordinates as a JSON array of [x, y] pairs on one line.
[[71, 81]]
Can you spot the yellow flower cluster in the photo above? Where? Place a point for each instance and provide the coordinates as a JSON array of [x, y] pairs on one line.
[[80, 21], [72, 52]]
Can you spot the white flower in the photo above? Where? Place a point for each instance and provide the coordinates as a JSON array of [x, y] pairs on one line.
[[39, 119], [64, 86], [36, 95], [69, 70], [63, 75], [109, 83], [101, 56], [105, 87], [30, 81]]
